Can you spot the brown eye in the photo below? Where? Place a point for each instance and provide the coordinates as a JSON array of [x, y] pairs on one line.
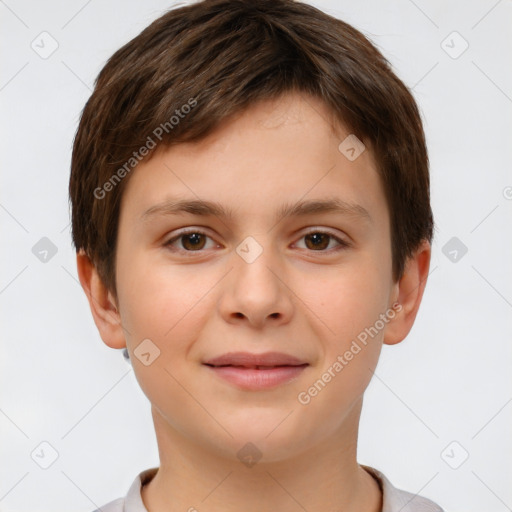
[[192, 241], [189, 241], [317, 241]]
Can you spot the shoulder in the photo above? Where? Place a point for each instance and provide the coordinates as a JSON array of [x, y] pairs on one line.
[[112, 506], [394, 500], [132, 502]]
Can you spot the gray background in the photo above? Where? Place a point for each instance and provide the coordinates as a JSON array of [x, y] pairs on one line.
[[441, 395]]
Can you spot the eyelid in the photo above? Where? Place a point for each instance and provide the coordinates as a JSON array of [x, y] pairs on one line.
[[343, 244], [341, 241], [183, 232]]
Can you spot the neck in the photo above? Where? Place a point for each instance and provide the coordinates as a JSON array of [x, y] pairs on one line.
[[326, 477]]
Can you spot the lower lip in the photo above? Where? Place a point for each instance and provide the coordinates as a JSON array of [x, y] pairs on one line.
[[254, 379]]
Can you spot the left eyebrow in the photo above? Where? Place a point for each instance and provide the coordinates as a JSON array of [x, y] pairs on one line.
[[302, 208], [331, 205]]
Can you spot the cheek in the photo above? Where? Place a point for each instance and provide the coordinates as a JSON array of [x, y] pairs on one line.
[[159, 299], [350, 300], [162, 304], [350, 307]]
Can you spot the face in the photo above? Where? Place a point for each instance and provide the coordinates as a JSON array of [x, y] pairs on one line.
[[255, 277]]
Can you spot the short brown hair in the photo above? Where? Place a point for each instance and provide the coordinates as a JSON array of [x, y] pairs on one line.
[[225, 55]]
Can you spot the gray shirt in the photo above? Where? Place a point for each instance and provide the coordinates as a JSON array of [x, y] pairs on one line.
[[393, 499]]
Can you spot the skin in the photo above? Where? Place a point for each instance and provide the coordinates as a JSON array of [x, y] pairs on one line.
[[299, 298]]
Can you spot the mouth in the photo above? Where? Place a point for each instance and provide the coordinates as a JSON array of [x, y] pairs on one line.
[[256, 371]]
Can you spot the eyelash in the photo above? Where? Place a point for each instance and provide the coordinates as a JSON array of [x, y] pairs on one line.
[[342, 243]]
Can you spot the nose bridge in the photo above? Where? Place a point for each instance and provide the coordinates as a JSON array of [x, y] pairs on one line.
[[256, 290], [254, 259]]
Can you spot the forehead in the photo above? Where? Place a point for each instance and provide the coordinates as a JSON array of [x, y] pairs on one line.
[[260, 162]]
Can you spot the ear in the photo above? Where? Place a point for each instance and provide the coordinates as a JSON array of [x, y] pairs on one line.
[[407, 294], [102, 303]]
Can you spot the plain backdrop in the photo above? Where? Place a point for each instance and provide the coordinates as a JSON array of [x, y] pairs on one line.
[[437, 416]]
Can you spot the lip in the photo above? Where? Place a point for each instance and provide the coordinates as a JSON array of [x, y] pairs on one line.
[[247, 359], [256, 371]]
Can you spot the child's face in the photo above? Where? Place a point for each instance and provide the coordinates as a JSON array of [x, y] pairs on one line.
[[304, 296]]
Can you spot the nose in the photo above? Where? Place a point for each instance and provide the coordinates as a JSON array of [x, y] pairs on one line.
[[256, 290]]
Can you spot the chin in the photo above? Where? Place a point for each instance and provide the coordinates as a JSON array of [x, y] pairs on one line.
[[269, 438]]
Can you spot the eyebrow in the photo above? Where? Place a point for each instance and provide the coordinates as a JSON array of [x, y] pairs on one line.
[[302, 208]]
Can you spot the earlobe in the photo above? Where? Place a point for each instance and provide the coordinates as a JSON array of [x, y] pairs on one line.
[[101, 301], [410, 290]]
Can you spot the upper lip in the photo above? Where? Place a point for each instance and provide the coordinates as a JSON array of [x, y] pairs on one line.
[[247, 359]]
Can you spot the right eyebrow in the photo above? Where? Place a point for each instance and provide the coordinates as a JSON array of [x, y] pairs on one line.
[[302, 208], [192, 206]]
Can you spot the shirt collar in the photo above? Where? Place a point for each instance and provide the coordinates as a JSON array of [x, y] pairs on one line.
[[133, 501], [393, 499], [397, 500]]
